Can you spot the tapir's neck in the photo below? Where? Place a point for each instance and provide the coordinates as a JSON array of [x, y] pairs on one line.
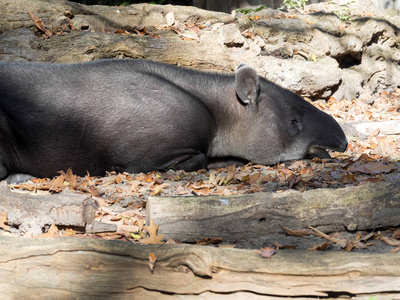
[[218, 93]]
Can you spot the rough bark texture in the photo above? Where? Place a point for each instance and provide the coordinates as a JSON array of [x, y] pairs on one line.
[[99, 269], [366, 206]]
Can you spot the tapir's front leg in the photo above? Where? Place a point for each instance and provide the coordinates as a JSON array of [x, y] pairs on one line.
[[187, 162]]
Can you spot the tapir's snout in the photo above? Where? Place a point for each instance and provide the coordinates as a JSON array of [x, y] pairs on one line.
[[331, 138]]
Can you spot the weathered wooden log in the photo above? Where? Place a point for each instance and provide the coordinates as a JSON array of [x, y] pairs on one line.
[[32, 212], [367, 206], [101, 269]]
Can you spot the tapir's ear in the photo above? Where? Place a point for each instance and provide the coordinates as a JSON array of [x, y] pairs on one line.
[[247, 84]]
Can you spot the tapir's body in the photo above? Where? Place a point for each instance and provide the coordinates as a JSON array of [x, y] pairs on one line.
[[133, 116]]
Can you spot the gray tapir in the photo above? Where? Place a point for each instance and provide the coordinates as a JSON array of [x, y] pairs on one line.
[[125, 115]]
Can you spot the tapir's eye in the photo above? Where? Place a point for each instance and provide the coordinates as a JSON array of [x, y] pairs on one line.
[[295, 125]]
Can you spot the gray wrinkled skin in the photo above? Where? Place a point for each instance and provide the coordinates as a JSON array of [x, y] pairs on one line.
[[139, 116]]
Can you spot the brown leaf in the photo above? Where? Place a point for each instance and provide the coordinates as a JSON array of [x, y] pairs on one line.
[[71, 179], [39, 24], [255, 178], [69, 232], [390, 241], [244, 178], [158, 189], [308, 21], [371, 235], [152, 261], [395, 250], [372, 167], [266, 252], [231, 174], [320, 247], [396, 234], [334, 238], [299, 233], [200, 188], [356, 244], [153, 237], [4, 220], [122, 31], [208, 241], [51, 233]]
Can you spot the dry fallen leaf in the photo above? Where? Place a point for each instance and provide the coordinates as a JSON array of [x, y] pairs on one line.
[[334, 238], [395, 250], [208, 241], [266, 252], [396, 234], [69, 232], [189, 35], [356, 244], [152, 261], [51, 233], [371, 167], [3, 221], [320, 247], [39, 24], [153, 237], [299, 233], [390, 241]]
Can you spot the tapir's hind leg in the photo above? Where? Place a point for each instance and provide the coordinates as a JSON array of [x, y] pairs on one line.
[[9, 162]]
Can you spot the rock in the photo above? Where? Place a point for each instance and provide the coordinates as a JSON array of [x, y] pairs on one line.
[[342, 49], [230, 36], [308, 78], [20, 45], [350, 87]]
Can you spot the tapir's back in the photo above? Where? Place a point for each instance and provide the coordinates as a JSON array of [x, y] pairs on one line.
[[96, 116]]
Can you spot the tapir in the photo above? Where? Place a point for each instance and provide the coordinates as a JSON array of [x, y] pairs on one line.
[[138, 116]]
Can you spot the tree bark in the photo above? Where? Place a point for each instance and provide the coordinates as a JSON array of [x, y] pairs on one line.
[[367, 206], [100, 269]]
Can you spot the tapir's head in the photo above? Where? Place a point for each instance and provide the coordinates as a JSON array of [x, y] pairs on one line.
[[279, 125]]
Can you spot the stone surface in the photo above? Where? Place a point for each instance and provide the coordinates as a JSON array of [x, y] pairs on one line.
[[342, 49]]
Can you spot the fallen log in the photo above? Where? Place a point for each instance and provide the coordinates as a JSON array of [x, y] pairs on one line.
[[100, 269], [362, 207], [30, 212]]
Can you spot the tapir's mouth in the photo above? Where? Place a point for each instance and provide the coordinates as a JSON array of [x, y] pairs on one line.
[[319, 152]]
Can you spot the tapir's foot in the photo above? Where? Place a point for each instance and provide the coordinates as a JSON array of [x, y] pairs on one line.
[[223, 162], [18, 178], [317, 152], [189, 163]]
